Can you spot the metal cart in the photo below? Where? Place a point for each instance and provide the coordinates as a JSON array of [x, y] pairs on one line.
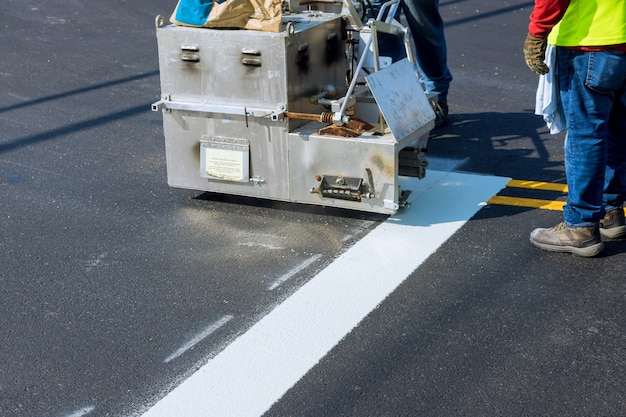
[[287, 116]]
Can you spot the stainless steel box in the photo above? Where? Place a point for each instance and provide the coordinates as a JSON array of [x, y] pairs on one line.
[[226, 97]]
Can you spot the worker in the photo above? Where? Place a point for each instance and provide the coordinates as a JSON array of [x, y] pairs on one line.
[[590, 70], [427, 28]]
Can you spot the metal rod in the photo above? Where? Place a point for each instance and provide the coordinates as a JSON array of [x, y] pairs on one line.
[[324, 117], [359, 67]]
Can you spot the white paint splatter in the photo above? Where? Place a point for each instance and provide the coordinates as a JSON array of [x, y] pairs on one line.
[[82, 412], [293, 272], [206, 332]]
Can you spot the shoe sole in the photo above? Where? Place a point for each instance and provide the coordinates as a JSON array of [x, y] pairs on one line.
[[613, 232], [586, 252]]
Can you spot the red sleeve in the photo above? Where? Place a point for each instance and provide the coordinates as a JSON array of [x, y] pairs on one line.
[[545, 15]]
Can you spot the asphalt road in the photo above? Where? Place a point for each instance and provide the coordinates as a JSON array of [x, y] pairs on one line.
[[106, 272]]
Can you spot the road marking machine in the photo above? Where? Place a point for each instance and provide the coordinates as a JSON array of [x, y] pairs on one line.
[[310, 114]]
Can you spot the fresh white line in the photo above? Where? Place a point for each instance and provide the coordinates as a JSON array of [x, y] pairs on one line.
[[293, 272], [211, 328], [254, 371]]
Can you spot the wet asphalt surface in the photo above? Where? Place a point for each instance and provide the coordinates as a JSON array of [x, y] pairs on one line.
[[105, 270]]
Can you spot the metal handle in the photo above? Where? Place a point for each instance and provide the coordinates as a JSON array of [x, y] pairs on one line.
[[190, 57], [190, 53], [251, 57], [251, 62]]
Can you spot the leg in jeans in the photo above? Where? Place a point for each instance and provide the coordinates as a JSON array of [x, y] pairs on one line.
[[427, 28], [589, 82], [615, 175]]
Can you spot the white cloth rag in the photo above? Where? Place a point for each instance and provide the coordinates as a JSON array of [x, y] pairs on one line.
[[547, 101]]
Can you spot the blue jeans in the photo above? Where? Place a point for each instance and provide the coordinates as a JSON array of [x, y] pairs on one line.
[[426, 27], [593, 94]]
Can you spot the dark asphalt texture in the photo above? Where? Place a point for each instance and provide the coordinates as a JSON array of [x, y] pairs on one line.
[[105, 270]]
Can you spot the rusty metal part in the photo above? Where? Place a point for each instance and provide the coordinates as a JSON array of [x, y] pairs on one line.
[[351, 129], [324, 117]]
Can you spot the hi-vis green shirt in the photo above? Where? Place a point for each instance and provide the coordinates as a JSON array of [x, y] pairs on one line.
[[591, 23]]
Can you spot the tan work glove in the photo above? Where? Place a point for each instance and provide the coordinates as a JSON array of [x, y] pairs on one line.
[[535, 53]]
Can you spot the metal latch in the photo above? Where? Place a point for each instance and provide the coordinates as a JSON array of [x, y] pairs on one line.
[[190, 53], [344, 188], [251, 57]]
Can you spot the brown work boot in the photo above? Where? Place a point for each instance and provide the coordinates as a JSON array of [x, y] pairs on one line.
[[581, 241], [614, 224]]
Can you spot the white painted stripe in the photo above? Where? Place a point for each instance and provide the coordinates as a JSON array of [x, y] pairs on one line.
[[206, 332], [293, 272], [254, 371]]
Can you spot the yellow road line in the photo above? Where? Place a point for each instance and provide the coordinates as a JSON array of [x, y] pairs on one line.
[[531, 202], [527, 202], [537, 185]]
